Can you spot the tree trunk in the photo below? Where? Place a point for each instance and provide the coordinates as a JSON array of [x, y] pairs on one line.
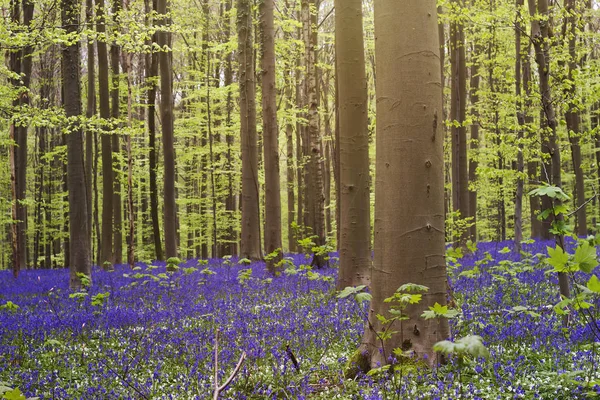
[[289, 135], [250, 246], [270, 136], [520, 135], [79, 232], [315, 194], [151, 73], [409, 191], [540, 37], [458, 102], [107, 170], [572, 118], [90, 112], [166, 109], [473, 160], [116, 145], [355, 195]]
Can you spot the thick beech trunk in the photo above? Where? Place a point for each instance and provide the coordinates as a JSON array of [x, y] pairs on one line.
[[409, 189]]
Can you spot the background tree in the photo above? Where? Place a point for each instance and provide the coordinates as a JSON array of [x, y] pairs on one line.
[[250, 241], [270, 135], [79, 232], [355, 215]]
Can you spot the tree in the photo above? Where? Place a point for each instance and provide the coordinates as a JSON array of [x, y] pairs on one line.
[[107, 170], [151, 73], [250, 245], [79, 232], [355, 200], [550, 149], [458, 103], [270, 135], [315, 196], [409, 188], [168, 139]]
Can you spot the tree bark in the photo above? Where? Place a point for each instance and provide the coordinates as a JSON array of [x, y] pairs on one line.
[[540, 37], [168, 139], [270, 136], [458, 102], [409, 188], [573, 117], [115, 55], [520, 132], [473, 159], [250, 245], [151, 74], [79, 232], [355, 195], [107, 170]]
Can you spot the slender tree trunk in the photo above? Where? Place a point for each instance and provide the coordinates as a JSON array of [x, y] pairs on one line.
[[270, 136], [151, 74], [316, 196], [289, 135], [532, 164], [409, 208], [79, 232], [572, 118], [230, 203], [115, 55], [250, 246], [355, 194], [520, 133], [458, 102], [90, 112], [107, 170], [473, 159], [540, 36], [166, 109]]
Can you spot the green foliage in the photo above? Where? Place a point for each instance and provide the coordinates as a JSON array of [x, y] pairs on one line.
[[9, 306], [471, 345], [244, 275], [439, 311]]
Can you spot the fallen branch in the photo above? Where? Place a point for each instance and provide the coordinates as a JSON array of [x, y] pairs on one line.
[[236, 370]]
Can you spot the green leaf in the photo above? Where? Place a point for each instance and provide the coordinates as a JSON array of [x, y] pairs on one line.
[[504, 250], [363, 296], [585, 256], [554, 192], [412, 287], [350, 290], [469, 345], [14, 394], [594, 284], [557, 258]]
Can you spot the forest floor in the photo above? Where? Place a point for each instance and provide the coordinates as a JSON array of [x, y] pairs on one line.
[[150, 334]]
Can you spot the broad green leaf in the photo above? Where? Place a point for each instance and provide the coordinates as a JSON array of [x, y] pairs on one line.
[[585, 256], [557, 258], [14, 394], [594, 284], [363, 296], [350, 290], [504, 250], [412, 287]]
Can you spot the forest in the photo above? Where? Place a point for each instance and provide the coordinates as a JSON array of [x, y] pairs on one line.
[[300, 199]]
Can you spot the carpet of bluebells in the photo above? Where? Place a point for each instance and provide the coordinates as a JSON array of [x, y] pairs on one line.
[[149, 333]]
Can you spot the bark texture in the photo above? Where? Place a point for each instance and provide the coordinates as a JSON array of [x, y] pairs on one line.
[[250, 243], [79, 232], [409, 188], [270, 136], [355, 206]]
